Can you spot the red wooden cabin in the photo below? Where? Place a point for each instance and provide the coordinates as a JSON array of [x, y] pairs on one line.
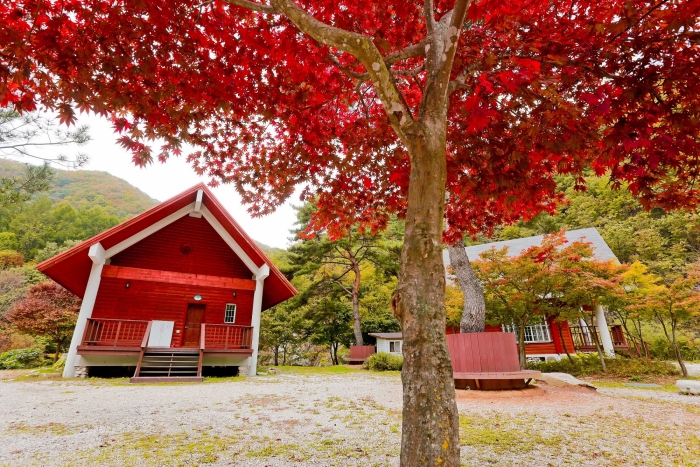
[[176, 288]]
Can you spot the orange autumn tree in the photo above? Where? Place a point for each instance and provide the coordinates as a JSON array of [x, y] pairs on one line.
[[551, 279], [47, 310], [674, 305]]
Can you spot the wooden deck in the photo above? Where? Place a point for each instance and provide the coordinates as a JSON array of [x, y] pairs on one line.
[[130, 337]]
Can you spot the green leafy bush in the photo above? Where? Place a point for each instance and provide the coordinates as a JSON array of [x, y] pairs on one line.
[[589, 364], [661, 348], [383, 361], [21, 358]]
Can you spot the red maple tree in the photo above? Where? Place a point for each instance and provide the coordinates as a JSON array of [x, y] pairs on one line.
[[47, 310], [378, 108]]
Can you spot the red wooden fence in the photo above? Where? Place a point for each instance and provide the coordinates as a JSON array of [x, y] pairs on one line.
[[483, 352], [227, 336], [114, 332]]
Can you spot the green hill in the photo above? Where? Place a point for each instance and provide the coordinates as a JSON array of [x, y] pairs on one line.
[[84, 189]]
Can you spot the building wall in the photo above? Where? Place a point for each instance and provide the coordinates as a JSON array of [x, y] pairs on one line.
[[210, 255], [168, 302], [383, 346], [546, 348], [146, 300]]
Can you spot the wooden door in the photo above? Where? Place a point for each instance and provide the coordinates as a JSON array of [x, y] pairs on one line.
[[193, 324]]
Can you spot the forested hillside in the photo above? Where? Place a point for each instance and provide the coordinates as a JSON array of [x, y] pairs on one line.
[[84, 189]]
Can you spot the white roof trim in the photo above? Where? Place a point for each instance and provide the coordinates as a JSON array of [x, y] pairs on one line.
[[151, 229], [260, 272], [198, 202], [232, 243]]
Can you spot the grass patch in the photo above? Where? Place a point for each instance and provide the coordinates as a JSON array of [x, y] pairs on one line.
[[56, 429], [502, 435], [665, 387]]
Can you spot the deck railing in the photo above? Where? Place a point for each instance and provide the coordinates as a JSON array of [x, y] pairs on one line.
[[584, 337], [114, 332], [226, 336]]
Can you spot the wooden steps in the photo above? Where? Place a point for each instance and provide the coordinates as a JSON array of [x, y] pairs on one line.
[[159, 365]]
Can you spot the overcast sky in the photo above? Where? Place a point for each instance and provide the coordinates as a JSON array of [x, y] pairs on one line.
[[161, 181]]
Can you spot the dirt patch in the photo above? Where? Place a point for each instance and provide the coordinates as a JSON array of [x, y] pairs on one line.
[[540, 394]]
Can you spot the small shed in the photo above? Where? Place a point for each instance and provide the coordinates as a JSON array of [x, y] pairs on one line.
[[389, 342], [173, 289]]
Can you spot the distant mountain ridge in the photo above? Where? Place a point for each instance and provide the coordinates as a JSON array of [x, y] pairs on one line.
[[84, 189]]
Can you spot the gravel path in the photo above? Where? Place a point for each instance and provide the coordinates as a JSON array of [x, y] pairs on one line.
[[318, 420]]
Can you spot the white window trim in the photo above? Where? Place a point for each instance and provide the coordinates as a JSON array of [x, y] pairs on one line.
[[534, 333], [400, 344], [235, 308]]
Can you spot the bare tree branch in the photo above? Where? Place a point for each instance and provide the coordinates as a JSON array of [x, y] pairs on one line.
[[269, 9], [429, 15]]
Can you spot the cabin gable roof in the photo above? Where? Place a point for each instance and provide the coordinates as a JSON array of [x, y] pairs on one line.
[[71, 268]]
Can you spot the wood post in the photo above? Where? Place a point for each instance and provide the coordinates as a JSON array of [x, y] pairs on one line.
[[144, 344]]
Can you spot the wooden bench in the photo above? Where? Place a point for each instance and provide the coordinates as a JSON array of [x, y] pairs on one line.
[[359, 353], [487, 360]]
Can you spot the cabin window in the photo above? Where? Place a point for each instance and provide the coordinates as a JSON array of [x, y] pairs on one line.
[[533, 333], [395, 346], [230, 315]]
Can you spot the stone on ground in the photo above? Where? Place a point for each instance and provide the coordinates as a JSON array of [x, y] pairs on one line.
[[689, 386], [564, 380]]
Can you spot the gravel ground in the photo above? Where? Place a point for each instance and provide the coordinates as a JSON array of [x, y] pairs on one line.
[[326, 419]]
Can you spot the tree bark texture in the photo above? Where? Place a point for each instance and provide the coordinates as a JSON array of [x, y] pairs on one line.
[[563, 344], [522, 356], [430, 435], [474, 311], [357, 320]]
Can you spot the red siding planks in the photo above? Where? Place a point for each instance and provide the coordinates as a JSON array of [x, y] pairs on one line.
[[210, 255], [168, 302], [542, 348], [153, 275]]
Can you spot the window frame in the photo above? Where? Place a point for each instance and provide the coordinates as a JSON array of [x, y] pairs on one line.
[[393, 343], [537, 333], [226, 313]]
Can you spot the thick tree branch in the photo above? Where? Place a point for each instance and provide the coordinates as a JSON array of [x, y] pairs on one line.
[[253, 6], [429, 14], [362, 48], [451, 39], [414, 50]]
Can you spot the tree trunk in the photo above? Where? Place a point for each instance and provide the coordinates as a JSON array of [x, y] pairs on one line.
[[596, 341], [276, 353], [430, 433], [522, 355], [563, 344], [356, 305], [474, 312], [684, 370], [59, 343]]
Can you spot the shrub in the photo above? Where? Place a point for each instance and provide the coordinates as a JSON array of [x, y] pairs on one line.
[[21, 358], [589, 364], [383, 361], [661, 348]]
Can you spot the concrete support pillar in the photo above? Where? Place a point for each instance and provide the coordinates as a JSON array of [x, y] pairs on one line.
[[263, 272], [604, 332], [97, 255]]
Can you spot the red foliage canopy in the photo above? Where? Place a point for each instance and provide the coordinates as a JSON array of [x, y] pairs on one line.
[[539, 87], [47, 310]]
